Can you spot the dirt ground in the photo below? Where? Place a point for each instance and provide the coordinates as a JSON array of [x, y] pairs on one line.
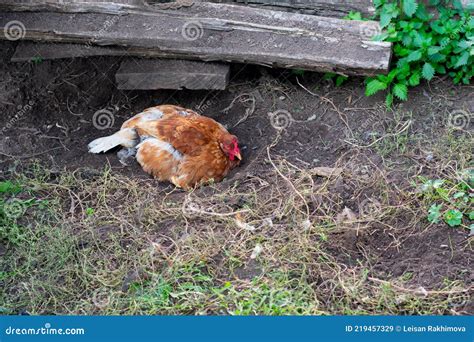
[[354, 242]]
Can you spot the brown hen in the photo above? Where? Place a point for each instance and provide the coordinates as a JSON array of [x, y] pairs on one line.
[[175, 144]]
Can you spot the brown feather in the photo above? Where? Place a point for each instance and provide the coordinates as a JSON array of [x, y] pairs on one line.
[[196, 138]]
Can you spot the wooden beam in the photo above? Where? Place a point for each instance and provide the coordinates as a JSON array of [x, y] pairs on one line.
[[135, 73], [216, 32], [111, 7], [171, 74], [327, 8], [30, 51]]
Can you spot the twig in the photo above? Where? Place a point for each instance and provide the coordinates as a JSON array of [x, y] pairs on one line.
[[29, 155], [342, 116], [420, 291], [403, 129], [288, 181]]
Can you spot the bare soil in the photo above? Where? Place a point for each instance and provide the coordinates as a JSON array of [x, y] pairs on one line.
[[47, 112]]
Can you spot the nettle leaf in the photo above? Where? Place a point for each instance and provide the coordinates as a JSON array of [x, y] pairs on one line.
[[409, 7], [440, 69], [444, 41], [462, 60], [470, 23], [391, 75], [434, 50], [417, 25], [354, 16], [401, 51], [378, 3], [471, 215], [464, 44], [453, 217], [389, 100], [417, 39], [422, 13], [389, 11], [414, 79], [414, 56], [385, 19], [326, 76], [407, 40], [374, 86], [438, 27], [383, 79], [437, 57], [401, 91], [403, 71], [340, 80], [428, 71], [404, 24]]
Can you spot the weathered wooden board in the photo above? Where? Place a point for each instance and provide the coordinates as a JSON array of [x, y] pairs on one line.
[[328, 8], [112, 7], [216, 32], [171, 74], [29, 51]]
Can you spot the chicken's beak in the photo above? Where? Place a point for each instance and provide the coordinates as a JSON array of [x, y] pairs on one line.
[[238, 156]]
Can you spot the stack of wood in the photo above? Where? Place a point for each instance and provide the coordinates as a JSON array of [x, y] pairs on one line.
[[190, 43]]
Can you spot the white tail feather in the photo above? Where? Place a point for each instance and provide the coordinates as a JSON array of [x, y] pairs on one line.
[[124, 137]]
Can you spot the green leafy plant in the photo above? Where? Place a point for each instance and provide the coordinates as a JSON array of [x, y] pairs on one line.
[[8, 187], [90, 211], [11, 210], [425, 43], [453, 201], [338, 79], [354, 16]]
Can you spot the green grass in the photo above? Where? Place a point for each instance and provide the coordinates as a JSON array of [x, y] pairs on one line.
[[98, 243]]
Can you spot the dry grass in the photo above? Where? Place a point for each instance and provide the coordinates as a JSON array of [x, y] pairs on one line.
[[279, 241]]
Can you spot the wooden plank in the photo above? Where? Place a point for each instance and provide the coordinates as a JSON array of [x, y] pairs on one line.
[[171, 74], [327, 8], [217, 32], [137, 73], [111, 7], [29, 51]]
